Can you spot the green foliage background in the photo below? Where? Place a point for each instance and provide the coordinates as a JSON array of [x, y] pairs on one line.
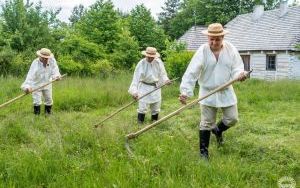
[[100, 40]]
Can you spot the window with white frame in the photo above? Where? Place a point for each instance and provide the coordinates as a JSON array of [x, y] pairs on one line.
[[271, 62]]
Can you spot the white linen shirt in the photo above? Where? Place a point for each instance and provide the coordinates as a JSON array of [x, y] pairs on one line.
[[153, 72], [211, 74], [39, 75]]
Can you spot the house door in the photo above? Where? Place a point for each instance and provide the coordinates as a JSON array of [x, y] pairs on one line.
[[246, 60]]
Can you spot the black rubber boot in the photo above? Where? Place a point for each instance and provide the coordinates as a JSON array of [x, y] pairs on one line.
[[37, 110], [48, 109], [154, 117], [141, 118], [204, 136], [221, 127]]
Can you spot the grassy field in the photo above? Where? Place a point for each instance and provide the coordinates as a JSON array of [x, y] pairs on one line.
[[64, 150]]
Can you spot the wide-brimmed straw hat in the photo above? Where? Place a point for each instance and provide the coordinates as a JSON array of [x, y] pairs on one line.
[[215, 29], [150, 52], [45, 53]]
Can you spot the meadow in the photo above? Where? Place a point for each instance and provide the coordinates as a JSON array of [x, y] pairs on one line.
[[65, 150]]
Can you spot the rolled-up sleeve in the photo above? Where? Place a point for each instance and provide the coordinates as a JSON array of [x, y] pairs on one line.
[[192, 73]]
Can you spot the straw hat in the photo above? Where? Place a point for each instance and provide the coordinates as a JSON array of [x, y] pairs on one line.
[[215, 29], [45, 53], [150, 52]]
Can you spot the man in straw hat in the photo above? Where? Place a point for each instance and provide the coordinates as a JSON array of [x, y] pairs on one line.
[[149, 73], [42, 70], [214, 64]]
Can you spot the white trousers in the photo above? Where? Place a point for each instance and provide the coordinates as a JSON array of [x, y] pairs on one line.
[[209, 115], [154, 107], [46, 93]]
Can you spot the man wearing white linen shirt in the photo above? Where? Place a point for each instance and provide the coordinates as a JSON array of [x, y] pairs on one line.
[[149, 73], [214, 64], [42, 70]]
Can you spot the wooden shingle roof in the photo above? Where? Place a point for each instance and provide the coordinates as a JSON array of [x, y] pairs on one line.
[[194, 38], [269, 32]]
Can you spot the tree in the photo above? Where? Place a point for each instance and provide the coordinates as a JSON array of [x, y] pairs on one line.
[[126, 53], [26, 26], [169, 12], [191, 12], [77, 13], [100, 25], [144, 28]]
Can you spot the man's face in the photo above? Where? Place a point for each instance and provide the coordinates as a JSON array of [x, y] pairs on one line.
[[44, 60], [150, 59], [215, 42]]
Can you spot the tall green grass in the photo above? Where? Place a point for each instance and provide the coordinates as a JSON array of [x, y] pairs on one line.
[[64, 150]]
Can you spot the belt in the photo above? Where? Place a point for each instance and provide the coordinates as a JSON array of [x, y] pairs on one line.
[[150, 84]]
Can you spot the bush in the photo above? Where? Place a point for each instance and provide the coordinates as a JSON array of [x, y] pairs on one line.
[[101, 68], [68, 65], [176, 63], [6, 57], [81, 49], [20, 65], [173, 47]]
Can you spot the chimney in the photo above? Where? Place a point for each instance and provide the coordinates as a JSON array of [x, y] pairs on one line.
[[283, 7], [258, 12]]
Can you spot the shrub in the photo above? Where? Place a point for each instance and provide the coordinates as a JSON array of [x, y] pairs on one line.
[[81, 49], [173, 46], [68, 65], [101, 68], [176, 63], [6, 57], [20, 65]]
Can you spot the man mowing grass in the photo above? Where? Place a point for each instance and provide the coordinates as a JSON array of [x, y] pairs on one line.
[[149, 73], [214, 64], [42, 70]]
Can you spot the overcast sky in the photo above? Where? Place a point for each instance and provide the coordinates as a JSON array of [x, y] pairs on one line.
[[125, 5]]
